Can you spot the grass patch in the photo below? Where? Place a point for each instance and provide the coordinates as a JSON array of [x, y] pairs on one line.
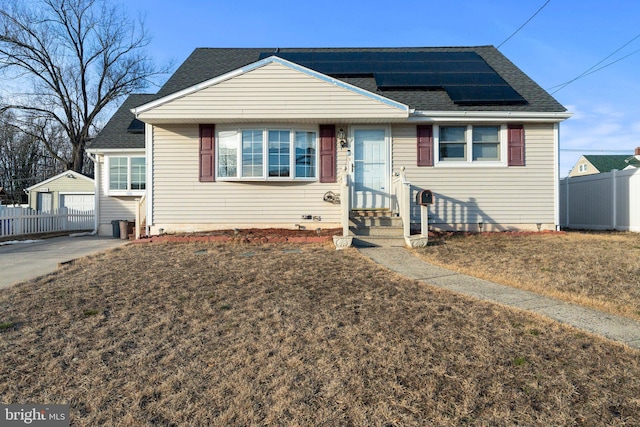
[[6, 325], [519, 361], [316, 337], [600, 270], [88, 313]]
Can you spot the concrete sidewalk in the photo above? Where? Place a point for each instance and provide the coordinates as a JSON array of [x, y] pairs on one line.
[[610, 326]]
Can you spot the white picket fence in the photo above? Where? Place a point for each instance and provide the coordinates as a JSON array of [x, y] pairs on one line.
[[604, 201], [21, 221]]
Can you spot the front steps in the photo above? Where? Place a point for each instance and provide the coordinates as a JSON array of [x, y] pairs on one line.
[[371, 228]]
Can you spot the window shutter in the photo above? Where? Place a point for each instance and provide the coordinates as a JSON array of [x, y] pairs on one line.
[[516, 145], [425, 145], [327, 153], [207, 153]]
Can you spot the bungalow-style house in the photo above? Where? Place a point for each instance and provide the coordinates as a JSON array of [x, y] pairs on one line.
[[324, 138], [602, 163], [66, 190]]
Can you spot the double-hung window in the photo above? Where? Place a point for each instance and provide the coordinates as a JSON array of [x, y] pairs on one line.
[[267, 153], [470, 144], [126, 174]]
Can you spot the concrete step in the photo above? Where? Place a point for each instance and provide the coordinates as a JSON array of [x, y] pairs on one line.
[[375, 221], [392, 231], [378, 241], [370, 213]]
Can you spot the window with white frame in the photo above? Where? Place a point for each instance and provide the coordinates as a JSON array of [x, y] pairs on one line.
[[267, 153], [453, 144], [126, 173], [486, 143], [470, 144], [582, 168]]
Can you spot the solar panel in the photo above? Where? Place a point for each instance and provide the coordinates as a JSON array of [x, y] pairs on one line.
[[489, 94], [465, 76]]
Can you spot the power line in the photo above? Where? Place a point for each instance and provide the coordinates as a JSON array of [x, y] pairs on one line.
[[522, 26], [585, 150], [591, 69]]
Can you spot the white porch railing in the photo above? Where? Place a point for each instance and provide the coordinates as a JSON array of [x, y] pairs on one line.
[[141, 215], [345, 201], [21, 221], [402, 200]]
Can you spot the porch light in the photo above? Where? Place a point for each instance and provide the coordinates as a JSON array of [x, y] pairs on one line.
[[341, 136]]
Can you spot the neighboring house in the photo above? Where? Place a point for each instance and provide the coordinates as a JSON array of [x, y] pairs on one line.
[[242, 138], [592, 164], [68, 189]]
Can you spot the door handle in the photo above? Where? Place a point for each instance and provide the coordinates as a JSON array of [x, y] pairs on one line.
[[352, 168]]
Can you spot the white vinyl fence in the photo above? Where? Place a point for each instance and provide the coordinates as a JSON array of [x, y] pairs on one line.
[[604, 201], [20, 221]]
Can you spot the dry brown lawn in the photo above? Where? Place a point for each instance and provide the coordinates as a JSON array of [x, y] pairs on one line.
[[600, 270], [236, 334]]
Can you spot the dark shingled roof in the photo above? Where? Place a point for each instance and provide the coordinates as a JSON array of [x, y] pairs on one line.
[[606, 163], [207, 63], [116, 133]]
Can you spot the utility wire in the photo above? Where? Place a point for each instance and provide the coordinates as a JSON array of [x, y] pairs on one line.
[[593, 68], [591, 71], [522, 26]]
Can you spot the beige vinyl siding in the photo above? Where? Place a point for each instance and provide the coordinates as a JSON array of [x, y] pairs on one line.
[[63, 185], [272, 92], [182, 203], [507, 197], [113, 207]]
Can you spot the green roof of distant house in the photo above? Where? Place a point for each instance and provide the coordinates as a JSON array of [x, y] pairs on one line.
[[606, 163]]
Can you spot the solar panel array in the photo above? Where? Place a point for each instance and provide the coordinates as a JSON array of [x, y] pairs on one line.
[[465, 76]]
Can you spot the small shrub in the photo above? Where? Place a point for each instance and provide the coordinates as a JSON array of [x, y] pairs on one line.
[[88, 313]]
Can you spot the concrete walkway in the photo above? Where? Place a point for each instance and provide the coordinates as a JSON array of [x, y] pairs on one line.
[[610, 326]]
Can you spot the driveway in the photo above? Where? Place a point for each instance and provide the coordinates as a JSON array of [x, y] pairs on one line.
[[24, 261]]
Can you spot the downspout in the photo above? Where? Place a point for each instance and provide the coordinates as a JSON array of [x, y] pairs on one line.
[[96, 197], [556, 173]]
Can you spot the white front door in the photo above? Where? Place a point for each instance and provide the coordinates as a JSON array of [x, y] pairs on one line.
[[370, 176]]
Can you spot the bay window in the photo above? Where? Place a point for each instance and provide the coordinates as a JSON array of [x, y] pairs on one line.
[[261, 153]]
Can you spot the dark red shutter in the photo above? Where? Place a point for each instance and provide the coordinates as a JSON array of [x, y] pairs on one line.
[[425, 145], [327, 153], [516, 145], [207, 153]]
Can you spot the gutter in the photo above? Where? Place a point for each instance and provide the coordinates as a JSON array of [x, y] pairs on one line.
[[479, 116]]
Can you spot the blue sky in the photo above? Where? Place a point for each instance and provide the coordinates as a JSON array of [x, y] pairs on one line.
[[564, 39]]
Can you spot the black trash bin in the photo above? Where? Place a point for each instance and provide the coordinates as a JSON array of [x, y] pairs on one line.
[[115, 228]]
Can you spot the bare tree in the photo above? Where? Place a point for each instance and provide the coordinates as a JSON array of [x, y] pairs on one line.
[[79, 56]]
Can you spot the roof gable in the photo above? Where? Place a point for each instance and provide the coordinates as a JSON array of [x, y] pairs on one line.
[[272, 88], [68, 174]]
